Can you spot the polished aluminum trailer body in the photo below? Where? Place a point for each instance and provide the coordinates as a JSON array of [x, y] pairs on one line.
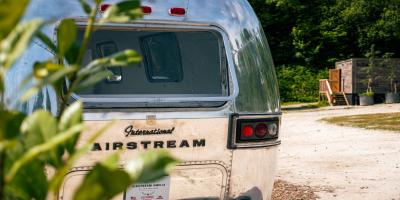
[[213, 170]]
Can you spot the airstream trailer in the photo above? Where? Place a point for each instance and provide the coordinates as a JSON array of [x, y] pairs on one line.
[[206, 91]]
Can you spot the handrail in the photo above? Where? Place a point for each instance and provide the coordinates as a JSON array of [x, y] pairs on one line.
[[328, 84], [345, 98], [325, 87]]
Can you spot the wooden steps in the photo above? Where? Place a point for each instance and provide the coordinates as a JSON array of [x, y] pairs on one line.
[[340, 99], [333, 98]]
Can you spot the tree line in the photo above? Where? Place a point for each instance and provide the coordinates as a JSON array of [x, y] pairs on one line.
[[315, 34]]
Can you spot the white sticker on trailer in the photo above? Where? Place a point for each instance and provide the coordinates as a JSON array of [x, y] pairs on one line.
[[149, 191]]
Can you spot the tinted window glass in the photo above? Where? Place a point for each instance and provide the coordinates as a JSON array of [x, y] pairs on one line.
[[162, 58], [175, 63]]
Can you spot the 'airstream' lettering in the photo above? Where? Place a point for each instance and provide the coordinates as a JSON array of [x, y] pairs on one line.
[[170, 144]]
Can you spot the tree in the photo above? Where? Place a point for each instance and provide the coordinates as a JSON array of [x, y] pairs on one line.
[[316, 33], [391, 65], [370, 70]]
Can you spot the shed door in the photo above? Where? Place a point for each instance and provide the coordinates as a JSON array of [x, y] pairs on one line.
[[334, 79]]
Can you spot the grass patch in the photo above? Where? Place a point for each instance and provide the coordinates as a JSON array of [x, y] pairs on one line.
[[386, 121], [292, 103], [293, 106]]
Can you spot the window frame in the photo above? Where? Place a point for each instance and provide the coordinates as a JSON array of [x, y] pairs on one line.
[[138, 100]]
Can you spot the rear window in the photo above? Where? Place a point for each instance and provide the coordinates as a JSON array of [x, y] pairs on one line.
[[184, 63]]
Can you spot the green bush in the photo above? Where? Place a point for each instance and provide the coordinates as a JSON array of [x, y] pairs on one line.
[[299, 83], [31, 145], [367, 94]]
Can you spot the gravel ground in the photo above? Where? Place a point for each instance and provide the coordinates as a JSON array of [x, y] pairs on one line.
[[333, 162]]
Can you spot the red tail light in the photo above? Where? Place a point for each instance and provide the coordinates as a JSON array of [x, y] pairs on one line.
[[177, 11], [146, 10], [254, 131], [247, 131]]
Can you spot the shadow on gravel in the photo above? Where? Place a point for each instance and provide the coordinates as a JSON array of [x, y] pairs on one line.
[[284, 190]]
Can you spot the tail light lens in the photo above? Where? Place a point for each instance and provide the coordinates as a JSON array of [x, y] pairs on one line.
[[247, 131], [261, 130], [254, 130]]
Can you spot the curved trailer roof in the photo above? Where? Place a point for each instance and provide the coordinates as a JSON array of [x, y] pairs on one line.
[[250, 51]]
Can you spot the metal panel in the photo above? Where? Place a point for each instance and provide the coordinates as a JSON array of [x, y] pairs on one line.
[[201, 180]]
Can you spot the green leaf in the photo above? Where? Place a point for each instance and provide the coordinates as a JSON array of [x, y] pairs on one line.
[[39, 128], [102, 182], [10, 122], [124, 58], [58, 178], [11, 12], [47, 41], [66, 35], [6, 144], [17, 41], [124, 11], [71, 117], [48, 76], [119, 59], [96, 70], [107, 180], [29, 183], [92, 80], [59, 75], [49, 146], [85, 6], [72, 54], [1, 87], [112, 162], [44, 69], [150, 166]]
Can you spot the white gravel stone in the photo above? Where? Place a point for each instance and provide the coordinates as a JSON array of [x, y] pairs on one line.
[[356, 163]]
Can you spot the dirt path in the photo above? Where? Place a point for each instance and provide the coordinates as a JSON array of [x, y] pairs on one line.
[[350, 163]]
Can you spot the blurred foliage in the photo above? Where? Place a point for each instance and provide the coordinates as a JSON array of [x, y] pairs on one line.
[[316, 33], [299, 83], [32, 144]]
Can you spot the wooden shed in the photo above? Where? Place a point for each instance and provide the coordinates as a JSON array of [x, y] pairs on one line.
[[353, 77]]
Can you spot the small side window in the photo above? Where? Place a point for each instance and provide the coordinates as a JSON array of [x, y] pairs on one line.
[[105, 49], [162, 57]]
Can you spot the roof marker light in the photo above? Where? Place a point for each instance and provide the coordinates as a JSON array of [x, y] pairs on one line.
[[146, 10], [177, 11], [104, 7]]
